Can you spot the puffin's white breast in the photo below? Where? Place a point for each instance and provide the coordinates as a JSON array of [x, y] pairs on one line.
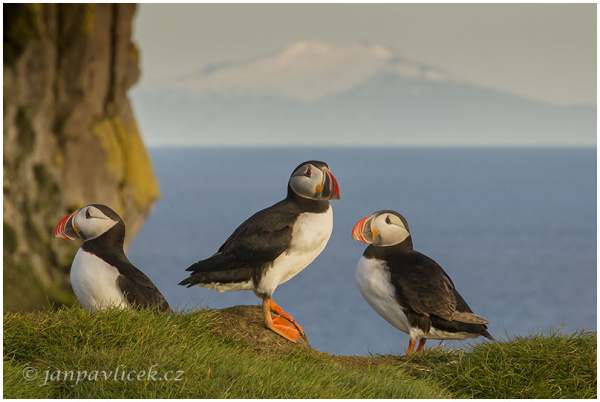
[[310, 235], [374, 283], [95, 282]]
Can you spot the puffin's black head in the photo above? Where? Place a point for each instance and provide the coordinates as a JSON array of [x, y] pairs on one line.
[[87, 223], [313, 180], [383, 228]]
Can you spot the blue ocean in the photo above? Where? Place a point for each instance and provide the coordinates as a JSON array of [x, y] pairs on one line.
[[515, 228]]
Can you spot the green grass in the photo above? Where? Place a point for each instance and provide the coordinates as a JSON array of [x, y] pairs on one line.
[[552, 365], [62, 344]]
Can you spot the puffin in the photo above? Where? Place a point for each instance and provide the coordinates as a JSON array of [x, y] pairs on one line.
[[101, 275], [274, 245], [408, 289]]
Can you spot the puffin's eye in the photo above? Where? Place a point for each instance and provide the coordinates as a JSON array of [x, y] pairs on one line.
[[388, 220], [87, 214], [308, 172]]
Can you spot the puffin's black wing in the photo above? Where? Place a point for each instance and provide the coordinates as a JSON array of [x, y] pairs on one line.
[[426, 292], [139, 289], [255, 243], [136, 286], [422, 285]]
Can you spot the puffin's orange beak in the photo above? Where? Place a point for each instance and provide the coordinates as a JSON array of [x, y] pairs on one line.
[[66, 229], [332, 184], [362, 230]]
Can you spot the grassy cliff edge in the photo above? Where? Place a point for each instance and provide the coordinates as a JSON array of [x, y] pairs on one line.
[[72, 353]]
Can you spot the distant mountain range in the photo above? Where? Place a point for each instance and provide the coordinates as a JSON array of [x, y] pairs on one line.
[[314, 94]]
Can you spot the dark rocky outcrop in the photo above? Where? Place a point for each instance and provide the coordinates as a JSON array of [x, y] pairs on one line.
[[70, 137]]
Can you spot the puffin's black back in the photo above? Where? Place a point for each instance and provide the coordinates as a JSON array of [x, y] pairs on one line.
[[136, 286]]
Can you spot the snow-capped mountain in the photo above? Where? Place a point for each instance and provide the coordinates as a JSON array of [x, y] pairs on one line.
[[315, 93], [305, 71]]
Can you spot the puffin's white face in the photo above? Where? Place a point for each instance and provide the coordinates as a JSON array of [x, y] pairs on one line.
[[315, 182], [383, 228], [86, 223], [92, 222]]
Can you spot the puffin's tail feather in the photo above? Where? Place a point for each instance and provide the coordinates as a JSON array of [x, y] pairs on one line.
[[187, 281], [216, 262], [228, 276], [468, 317], [221, 268], [488, 335]]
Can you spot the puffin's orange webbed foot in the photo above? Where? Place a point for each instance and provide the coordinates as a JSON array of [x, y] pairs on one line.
[[286, 329], [282, 323], [277, 310]]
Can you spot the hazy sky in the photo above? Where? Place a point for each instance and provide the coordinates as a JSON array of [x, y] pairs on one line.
[[541, 51]]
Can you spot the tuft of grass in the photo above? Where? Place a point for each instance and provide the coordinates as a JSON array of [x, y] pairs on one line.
[[540, 365], [59, 345]]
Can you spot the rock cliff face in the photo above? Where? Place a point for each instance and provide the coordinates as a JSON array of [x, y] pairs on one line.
[[70, 137]]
